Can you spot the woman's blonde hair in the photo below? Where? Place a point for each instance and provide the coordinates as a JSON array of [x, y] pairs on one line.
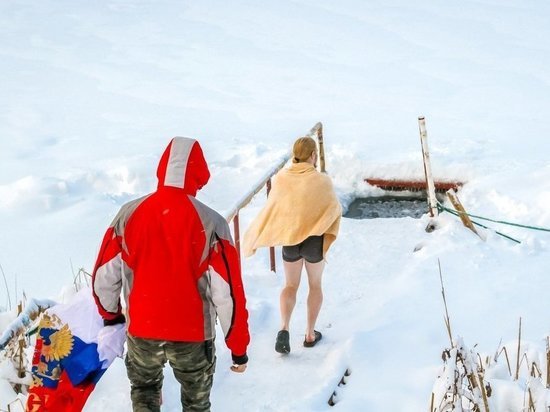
[[303, 148]]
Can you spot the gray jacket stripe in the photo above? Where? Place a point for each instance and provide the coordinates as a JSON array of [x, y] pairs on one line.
[[222, 299], [115, 274], [108, 282], [177, 163], [210, 220], [208, 310], [220, 291], [127, 283], [120, 220]]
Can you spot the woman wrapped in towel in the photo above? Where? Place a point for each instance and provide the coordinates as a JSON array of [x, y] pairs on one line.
[[302, 214]]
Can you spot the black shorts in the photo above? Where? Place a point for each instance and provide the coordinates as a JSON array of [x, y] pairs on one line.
[[310, 249]]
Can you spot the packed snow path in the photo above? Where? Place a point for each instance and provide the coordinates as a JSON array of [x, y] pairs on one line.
[[367, 290]]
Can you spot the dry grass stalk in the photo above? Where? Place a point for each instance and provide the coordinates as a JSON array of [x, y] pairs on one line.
[[473, 381], [527, 363], [535, 368], [81, 277], [507, 359], [531, 404], [548, 362], [476, 389], [465, 383], [480, 365], [19, 360], [519, 348], [484, 394], [476, 380], [6, 285], [447, 319]]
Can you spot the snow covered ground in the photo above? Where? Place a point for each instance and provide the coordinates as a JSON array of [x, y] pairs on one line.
[[91, 94]]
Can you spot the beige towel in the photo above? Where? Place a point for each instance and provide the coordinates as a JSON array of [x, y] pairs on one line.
[[302, 203]]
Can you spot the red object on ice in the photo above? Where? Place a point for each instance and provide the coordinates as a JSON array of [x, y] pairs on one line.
[[395, 184]]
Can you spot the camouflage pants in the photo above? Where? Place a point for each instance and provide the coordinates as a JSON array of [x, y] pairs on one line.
[[193, 365]]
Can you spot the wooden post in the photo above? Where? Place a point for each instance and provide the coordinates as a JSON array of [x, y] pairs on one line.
[[432, 200], [461, 212], [321, 148], [236, 234], [271, 249]]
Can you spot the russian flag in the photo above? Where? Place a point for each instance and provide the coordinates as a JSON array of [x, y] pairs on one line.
[[67, 363]]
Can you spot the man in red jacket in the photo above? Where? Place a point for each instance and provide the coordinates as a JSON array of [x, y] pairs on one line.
[[175, 261]]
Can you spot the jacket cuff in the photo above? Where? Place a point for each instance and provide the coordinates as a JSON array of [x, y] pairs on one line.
[[239, 360], [110, 322]]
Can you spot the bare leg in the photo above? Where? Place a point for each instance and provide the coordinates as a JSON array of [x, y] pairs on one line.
[[293, 272], [315, 296]]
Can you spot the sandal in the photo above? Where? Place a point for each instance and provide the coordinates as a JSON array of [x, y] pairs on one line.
[[282, 344], [318, 337]]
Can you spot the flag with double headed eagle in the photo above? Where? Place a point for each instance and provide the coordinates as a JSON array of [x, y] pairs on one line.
[[67, 363]]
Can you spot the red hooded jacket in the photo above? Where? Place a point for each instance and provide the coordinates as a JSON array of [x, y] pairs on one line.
[[174, 259]]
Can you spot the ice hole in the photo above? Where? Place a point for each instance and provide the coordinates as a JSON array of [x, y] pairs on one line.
[[390, 205]]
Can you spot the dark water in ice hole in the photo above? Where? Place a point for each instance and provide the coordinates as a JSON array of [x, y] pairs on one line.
[[387, 207]]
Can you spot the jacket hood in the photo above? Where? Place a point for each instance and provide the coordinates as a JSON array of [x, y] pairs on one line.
[[182, 165]]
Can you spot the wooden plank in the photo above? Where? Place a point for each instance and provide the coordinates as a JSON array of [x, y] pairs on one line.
[[461, 212], [402, 184]]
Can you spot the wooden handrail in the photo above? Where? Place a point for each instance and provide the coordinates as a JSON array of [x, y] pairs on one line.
[[317, 130], [259, 186], [233, 214]]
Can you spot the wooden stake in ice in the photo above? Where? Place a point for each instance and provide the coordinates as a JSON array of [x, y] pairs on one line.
[[432, 201], [321, 148], [317, 130]]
